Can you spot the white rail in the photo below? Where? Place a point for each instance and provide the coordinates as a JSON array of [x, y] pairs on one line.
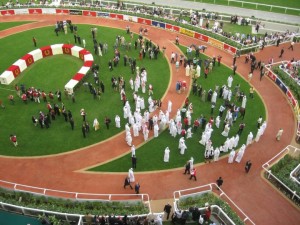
[[207, 188], [266, 166]]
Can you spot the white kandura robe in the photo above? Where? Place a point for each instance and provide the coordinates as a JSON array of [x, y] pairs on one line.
[[231, 156], [167, 155]]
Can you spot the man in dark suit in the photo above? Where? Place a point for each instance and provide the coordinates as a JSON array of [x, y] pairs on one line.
[[133, 161], [167, 210]]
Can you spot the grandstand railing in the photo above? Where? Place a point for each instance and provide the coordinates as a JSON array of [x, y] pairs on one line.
[[36, 212], [210, 188], [112, 6], [266, 166], [76, 195], [291, 98]]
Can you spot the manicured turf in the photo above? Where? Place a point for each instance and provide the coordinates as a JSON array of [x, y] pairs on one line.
[[6, 25], [51, 74], [150, 156], [60, 138]]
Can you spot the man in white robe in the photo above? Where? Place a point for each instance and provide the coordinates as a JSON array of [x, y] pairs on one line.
[[146, 133], [229, 81], [226, 145], [96, 124], [189, 133], [169, 106], [214, 97], [125, 115], [132, 150], [263, 127], [187, 70], [191, 163], [236, 141], [216, 154], [131, 83], [249, 138], [226, 130], [167, 154], [131, 175], [231, 143], [218, 120], [129, 139], [118, 121], [198, 71], [155, 130], [135, 130], [240, 153], [203, 139], [231, 156], [244, 102], [183, 148], [259, 133]]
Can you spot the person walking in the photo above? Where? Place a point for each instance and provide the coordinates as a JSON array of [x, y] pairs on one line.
[[281, 52], [292, 46], [83, 129], [193, 174], [133, 161], [219, 182], [167, 210], [107, 122], [187, 167], [137, 188], [279, 134], [248, 166], [127, 182]]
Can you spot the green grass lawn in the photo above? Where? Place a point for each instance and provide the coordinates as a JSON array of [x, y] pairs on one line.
[[6, 25], [150, 155], [51, 74]]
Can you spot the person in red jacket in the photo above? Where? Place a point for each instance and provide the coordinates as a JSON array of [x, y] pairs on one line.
[[193, 174]]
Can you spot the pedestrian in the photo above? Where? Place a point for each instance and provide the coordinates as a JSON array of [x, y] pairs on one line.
[[127, 182], [193, 174], [279, 133], [13, 139], [234, 69], [241, 128], [137, 188], [259, 121], [187, 167], [107, 122], [262, 73], [250, 77], [34, 41], [248, 166], [133, 161], [167, 210], [83, 129], [292, 46], [281, 52], [219, 182]]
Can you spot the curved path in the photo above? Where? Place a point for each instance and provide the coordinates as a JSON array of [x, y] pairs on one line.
[[252, 194]]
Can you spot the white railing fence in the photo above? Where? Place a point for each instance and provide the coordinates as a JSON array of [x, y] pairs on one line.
[[210, 188], [266, 166]]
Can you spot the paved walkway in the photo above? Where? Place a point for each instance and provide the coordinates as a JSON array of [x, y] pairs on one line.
[[225, 10], [254, 195]]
